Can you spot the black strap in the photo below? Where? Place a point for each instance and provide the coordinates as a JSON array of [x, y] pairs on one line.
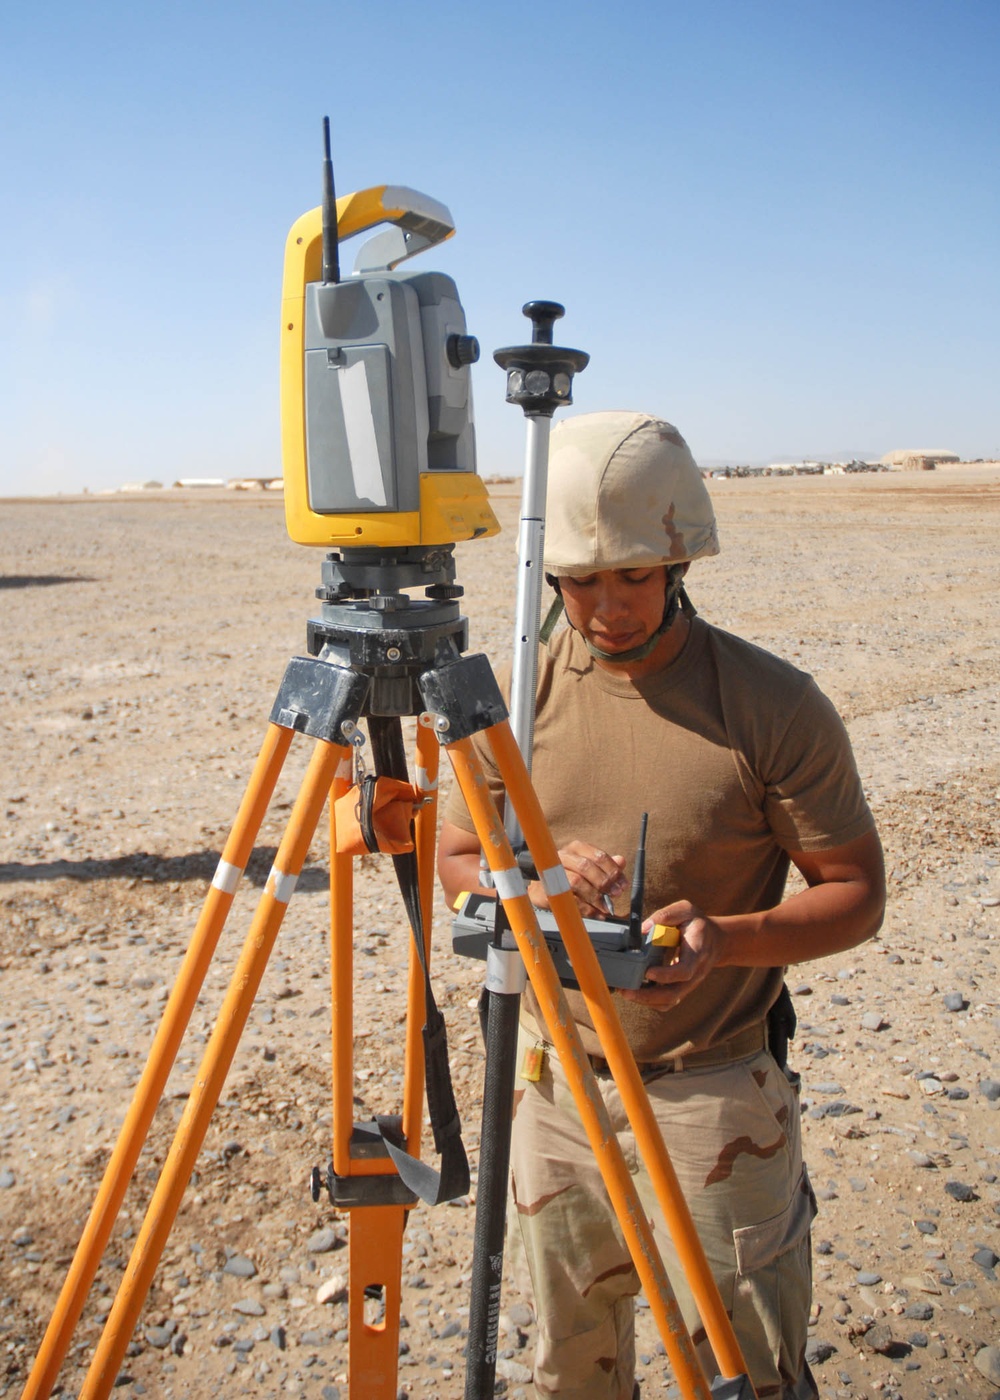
[[364, 811], [453, 1179]]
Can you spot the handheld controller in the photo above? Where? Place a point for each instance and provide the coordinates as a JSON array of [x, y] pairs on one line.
[[623, 951]]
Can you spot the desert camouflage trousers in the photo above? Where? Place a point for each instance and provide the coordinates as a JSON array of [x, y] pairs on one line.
[[733, 1135]]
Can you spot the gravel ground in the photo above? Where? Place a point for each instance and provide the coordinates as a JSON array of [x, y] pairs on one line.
[[143, 642]]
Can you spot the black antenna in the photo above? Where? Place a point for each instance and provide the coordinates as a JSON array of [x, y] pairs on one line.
[[331, 246], [638, 888]]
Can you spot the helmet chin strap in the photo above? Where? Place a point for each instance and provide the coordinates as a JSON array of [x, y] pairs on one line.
[[676, 597]]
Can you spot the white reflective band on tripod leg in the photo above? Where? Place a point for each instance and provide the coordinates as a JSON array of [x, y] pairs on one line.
[[345, 768], [509, 884], [226, 877], [555, 880], [505, 971], [423, 780], [359, 428], [282, 886]]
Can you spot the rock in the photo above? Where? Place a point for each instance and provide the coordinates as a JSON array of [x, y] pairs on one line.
[[879, 1338], [159, 1337], [987, 1363], [7, 1180], [817, 1352], [249, 1307], [921, 1159], [990, 1089], [332, 1290], [960, 1191], [985, 1258], [322, 1241], [315, 1337], [521, 1314], [278, 1338], [873, 1021], [931, 1085], [955, 1001], [919, 1312], [867, 1278], [513, 1371], [240, 1266]]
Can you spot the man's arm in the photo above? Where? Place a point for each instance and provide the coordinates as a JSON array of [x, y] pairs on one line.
[[842, 906], [592, 873]]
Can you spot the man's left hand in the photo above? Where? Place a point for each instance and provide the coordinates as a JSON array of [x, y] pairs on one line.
[[697, 953]]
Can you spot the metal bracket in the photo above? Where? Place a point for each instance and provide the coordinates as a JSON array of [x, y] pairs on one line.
[[368, 1144], [465, 693], [315, 697]]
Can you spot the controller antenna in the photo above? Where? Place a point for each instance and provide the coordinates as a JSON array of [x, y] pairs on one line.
[[331, 244], [638, 888]]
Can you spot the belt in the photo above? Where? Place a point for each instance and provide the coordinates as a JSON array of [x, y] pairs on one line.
[[740, 1047]]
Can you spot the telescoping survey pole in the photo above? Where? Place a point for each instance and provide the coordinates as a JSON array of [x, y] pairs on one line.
[[539, 380]]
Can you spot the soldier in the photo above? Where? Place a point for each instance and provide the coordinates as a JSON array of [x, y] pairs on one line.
[[745, 769]]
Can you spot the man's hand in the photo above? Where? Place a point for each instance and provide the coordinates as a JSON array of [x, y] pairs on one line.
[[697, 953], [592, 874]]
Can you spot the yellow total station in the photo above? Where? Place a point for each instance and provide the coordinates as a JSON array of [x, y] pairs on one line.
[[378, 442]]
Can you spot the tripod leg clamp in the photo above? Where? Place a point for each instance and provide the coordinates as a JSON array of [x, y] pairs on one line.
[[467, 694], [315, 697]]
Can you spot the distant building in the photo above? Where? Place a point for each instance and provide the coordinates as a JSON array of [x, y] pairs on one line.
[[919, 458]]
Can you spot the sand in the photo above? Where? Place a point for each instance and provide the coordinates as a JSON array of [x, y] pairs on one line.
[[144, 638]]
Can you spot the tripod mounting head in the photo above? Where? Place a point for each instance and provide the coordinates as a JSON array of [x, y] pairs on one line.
[[540, 375], [369, 624]]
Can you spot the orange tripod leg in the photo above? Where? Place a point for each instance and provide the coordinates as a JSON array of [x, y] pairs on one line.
[[377, 1263], [559, 1019], [649, 1139], [163, 1052], [212, 1072], [376, 1231]]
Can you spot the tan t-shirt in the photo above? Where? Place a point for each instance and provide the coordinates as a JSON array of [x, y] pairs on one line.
[[737, 757]]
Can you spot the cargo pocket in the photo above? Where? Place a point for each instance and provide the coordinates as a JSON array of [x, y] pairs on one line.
[[772, 1292]]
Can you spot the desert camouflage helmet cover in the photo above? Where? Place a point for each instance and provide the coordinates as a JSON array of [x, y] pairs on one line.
[[624, 491]]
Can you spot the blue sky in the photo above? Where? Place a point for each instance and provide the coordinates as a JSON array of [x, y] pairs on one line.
[[775, 224]]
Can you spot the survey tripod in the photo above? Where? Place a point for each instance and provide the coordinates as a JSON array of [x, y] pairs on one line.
[[379, 655], [397, 646]]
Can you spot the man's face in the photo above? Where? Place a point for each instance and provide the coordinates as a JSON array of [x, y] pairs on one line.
[[616, 609]]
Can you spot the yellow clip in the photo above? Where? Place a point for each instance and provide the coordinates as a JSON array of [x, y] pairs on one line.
[[665, 936], [533, 1064], [460, 901]]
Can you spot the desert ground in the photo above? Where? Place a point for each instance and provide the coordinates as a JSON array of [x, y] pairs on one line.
[[143, 641]]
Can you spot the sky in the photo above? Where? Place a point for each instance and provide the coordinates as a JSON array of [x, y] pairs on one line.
[[774, 224]]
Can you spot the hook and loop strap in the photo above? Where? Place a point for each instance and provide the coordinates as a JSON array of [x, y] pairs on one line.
[[452, 1180]]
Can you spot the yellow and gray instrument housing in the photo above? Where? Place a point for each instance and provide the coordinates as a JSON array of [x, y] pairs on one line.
[[378, 442]]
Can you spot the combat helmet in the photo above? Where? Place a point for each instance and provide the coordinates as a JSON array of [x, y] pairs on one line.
[[624, 492]]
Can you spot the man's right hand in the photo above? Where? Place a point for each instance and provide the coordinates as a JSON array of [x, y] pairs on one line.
[[593, 876]]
